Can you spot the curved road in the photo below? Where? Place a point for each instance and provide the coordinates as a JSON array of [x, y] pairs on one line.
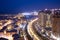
[[31, 30]]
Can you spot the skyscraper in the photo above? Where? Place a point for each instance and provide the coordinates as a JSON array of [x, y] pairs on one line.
[[56, 24], [42, 18]]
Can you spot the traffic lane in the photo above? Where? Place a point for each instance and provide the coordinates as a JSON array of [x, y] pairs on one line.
[[31, 30]]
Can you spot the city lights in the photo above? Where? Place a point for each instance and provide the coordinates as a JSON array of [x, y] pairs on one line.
[[36, 25]]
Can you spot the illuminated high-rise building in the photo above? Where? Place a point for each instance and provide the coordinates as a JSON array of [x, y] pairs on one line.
[[56, 24], [42, 18]]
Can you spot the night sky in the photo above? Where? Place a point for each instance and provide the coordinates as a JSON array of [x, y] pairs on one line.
[[16, 6]]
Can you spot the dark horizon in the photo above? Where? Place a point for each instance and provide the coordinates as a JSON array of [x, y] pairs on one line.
[[16, 6]]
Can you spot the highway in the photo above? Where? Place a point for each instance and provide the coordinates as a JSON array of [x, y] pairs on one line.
[[31, 30], [25, 33]]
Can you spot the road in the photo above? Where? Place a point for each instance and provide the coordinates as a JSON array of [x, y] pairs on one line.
[[31, 30], [25, 33]]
